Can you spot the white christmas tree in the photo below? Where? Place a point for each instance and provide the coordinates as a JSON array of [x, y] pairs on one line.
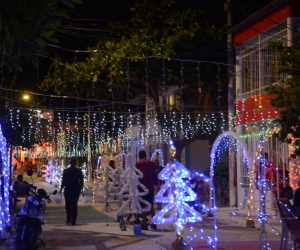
[[176, 192], [117, 184], [105, 175], [132, 197], [49, 173], [58, 169], [84, 171]]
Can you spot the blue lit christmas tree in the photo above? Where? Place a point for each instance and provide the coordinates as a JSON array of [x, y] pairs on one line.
[[176, 192]]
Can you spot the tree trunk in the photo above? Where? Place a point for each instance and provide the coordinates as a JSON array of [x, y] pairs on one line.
[[154, 96], [180, 145]]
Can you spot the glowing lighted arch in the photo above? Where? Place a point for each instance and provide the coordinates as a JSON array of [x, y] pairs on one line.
[[240, 142], [161, 156]]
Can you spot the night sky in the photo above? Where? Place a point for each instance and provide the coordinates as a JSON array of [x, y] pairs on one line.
[[87, 24]]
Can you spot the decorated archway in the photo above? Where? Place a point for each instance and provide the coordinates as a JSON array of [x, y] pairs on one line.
[[246, 157]]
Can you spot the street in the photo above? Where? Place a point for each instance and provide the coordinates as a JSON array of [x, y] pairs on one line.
[[97, 229]]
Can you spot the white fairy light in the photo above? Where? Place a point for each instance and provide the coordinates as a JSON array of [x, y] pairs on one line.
[[130, 192], [178, 193]]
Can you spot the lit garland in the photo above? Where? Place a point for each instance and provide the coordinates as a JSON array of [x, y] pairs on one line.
[[210, 240], [293, 162], [158, 152], [4, 183], [216, 151], [262, 183]]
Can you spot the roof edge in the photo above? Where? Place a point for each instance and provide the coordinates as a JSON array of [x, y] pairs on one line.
[[258, 15]]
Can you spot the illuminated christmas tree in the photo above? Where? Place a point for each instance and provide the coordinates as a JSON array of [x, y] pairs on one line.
[[132, 197], [104, 176], [49, 172], [58, 171], [117, 184], [176, 192]]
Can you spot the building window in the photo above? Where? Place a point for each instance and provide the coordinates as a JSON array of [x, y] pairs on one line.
[[259, 63]]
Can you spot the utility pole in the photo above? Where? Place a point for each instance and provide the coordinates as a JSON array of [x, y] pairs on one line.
[[231, 107]]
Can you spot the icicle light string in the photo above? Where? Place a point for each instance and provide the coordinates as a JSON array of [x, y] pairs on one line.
[[153, 131]]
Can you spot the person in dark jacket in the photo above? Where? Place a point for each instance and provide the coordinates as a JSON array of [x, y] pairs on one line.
[[72, 183]]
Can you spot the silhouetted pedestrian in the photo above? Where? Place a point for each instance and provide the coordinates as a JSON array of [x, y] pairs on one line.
[[72, 182]]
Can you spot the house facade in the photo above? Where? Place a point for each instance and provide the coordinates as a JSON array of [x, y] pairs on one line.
[[255, 71]]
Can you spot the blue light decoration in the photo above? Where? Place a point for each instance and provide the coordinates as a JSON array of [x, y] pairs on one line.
[[176, 211], [205, 208], [250, 168], [215, 153], [158, 152], [4, 184]]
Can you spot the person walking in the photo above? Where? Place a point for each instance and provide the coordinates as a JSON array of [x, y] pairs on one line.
[[72, 183], [149, 175]]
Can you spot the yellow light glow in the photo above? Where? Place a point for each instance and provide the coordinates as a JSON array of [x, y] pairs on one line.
[[26, 97]]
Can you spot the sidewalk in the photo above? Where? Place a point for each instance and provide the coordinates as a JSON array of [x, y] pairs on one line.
[[97, 229]]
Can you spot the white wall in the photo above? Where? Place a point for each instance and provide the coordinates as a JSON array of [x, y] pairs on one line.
[[199, 159]]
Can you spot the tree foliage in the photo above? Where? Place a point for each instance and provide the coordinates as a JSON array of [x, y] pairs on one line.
[[156, 29], [25, 28], [134, 62], [285, 96]]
